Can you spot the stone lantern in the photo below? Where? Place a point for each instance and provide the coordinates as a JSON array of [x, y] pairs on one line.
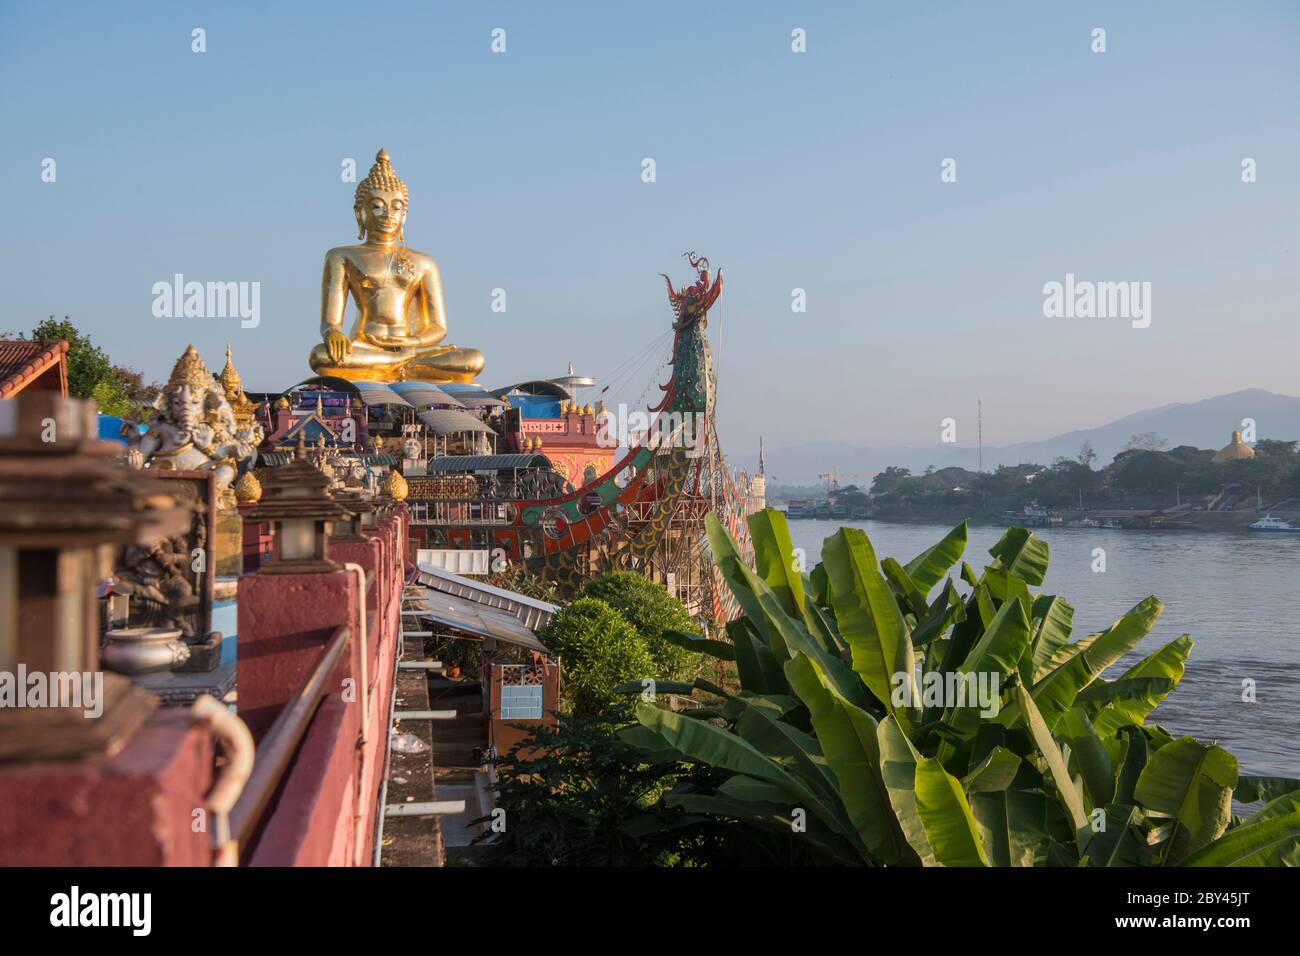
[[67, 504], [297, 505], [361, 515]]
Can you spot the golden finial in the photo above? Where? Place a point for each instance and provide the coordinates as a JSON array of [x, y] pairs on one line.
[[588, 410], [281, 402], [320, 410], [229, 377], [190, 370], [395, 486], [248, 489]]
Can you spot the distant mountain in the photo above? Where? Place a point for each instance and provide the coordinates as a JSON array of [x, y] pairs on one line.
[[1208, 423]]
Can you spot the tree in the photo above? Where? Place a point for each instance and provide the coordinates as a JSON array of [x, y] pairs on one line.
[[116, 389], [1275, 448], [88, 365], [1086, 455], [598, 651], [889, 479], [1147, 441], [651, 610]]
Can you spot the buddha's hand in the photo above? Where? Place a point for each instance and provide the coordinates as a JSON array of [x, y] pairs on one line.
[[338, 346], [396, 342]]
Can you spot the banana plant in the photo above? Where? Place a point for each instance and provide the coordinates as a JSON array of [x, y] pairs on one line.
[[926, 714]]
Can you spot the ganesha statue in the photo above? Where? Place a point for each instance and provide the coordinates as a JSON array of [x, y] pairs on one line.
[[193, 427]]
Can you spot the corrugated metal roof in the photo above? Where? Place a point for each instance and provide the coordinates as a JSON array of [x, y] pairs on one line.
[[467, 616], [451, 421], [445, 589], [458, 464], [534, 387], [473, 396], [422, 393], [377, 393]]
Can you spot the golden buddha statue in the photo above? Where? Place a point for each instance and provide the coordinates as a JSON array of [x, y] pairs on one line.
[[401, 320]]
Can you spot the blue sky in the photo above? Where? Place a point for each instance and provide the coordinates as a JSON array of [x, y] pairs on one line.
[[817, 171]]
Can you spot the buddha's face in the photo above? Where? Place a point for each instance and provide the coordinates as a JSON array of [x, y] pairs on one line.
[[383, 213]]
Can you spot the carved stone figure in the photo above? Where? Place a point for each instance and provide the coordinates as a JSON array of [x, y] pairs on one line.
[[193, 427]]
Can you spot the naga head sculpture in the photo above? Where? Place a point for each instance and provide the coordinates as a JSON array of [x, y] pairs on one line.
[[691, 303]]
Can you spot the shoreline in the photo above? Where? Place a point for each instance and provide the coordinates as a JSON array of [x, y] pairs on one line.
[[1204, 522]]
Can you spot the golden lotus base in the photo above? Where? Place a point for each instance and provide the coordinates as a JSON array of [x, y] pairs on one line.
[[391, 375]]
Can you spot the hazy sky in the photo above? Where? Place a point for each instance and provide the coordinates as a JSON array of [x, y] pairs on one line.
[[818, 171]]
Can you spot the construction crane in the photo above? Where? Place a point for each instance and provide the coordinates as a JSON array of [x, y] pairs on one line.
[[832, 478]]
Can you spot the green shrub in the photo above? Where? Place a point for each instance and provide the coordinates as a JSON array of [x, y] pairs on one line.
[[598, 651], [650, 610]]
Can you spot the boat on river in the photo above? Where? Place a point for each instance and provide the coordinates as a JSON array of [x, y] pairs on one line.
[[1269, 523]]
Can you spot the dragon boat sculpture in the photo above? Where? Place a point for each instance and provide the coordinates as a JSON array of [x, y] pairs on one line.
[[646, 512]]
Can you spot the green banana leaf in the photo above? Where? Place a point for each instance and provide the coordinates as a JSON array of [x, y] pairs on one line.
[[1164, 669], [848, 736], [1118, 842], [898, 771], [929, 567], [1191, 784], [704, 743], [1065, 654], [1065, 785], [869, 620], [757, 668], [995, 772], [823, 630], [1089, 756], [1055, 693], [912, 600], [774, 558], [774, 817], [700, 644], [792, 748], [1003, 586], [997, 652], [945, 813], [745, 584], [1251, 844], [1053, 619], [1252, 789], [1012, 826], [821, 585], [947, 609], [1022, 553], [1134, 754]]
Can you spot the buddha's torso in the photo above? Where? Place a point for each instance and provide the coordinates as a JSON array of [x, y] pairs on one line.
[[383, 283]]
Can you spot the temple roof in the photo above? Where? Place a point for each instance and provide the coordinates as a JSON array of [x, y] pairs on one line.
[[451, 464], [1235, 450], [451, 421], [22, 363]]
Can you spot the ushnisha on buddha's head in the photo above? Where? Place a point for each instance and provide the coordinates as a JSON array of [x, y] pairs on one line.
[[381, 203]]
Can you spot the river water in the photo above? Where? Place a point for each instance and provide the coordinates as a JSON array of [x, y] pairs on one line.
[[1237, 595]]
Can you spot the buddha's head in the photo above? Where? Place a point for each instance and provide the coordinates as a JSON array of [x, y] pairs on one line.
[[381, 202]]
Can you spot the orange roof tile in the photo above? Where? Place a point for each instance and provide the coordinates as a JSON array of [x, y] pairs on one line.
[[22, 362]]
